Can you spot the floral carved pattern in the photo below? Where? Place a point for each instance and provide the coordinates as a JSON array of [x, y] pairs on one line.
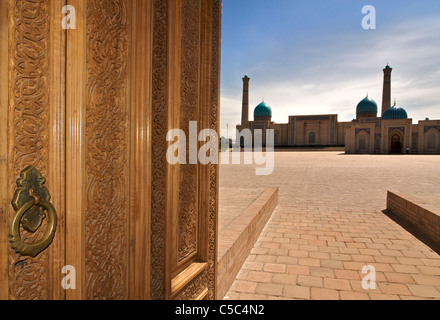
[[213, 170], [29, 128], [190, 48], [193, 288], [107, 211], [159, 147]]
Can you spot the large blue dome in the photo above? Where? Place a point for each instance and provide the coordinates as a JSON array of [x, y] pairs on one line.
[[367, 106], [263, 110], [395, 113]]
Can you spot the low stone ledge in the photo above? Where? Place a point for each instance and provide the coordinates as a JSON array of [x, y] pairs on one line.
[[421, 216], [240, 237]]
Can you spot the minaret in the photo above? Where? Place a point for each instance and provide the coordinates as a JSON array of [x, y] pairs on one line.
[[245, 107], [386, 98]]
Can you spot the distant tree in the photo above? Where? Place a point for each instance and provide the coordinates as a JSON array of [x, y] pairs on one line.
[[225, 144]]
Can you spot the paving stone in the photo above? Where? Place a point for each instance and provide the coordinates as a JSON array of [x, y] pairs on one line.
[[381, 296], [396, 277], [298, 270], [347, 274], [310, 281], [424, 291], [272, 289], [338, 284], [275, 268], [351, 295], [256, 276], [324, 294], [285, 279], [297, 292], [404, 268], [311, 262], [244, 286], [394, 288], [426, 279]]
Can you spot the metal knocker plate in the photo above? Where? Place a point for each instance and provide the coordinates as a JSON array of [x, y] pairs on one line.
[[31, 201]]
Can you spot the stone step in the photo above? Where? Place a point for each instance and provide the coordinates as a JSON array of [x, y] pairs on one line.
[[238, 237]]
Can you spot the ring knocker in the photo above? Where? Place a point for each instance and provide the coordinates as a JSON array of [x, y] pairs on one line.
[[31, 200]]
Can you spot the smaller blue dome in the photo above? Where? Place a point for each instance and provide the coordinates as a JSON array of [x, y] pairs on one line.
[[367, 106], [395, 113], [263, 110]]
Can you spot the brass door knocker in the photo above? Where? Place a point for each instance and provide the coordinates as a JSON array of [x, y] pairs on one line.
[[31, 199]]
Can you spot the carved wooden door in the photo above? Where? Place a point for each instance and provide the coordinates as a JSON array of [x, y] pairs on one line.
[[89, 90]]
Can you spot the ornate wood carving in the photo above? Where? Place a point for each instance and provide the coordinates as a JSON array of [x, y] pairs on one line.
[[29, 128], [206, 90], [194, 288], [213, 169], [190, 68], [104, 236], [107, 213], [159, 147]]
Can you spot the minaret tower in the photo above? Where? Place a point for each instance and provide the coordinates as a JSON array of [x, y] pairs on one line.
[[245, 107], [386, 98]]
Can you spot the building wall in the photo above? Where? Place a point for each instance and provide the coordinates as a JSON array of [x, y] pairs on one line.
[[368, 135], [422, 138], [281, 134], [341, 126], [313, 130], [429, 137], [360, 137], [402, 128], [414, 138]]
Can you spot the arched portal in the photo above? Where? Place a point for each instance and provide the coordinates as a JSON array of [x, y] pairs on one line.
[[396, 144], [312, 138], [432, 141]]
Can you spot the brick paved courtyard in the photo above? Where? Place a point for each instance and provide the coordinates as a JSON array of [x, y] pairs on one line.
[[329, 224], [336, 179]]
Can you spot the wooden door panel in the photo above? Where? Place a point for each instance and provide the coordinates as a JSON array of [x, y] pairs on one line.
[[98, 185], [34, 113], [193, 249], [90, 108], [107, 149], [186, 246], [185, 68], [4, 180]]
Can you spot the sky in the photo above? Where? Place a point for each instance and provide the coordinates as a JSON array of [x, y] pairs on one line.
[[309, 57]]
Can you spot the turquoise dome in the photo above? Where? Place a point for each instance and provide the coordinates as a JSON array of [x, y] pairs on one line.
[[395, 113], [263, 110], [367, 106]]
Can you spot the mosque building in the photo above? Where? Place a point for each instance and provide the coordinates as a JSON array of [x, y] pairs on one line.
[[392, 132]]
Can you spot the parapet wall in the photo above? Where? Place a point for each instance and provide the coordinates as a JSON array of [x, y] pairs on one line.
[[422, 217], [246, 229]]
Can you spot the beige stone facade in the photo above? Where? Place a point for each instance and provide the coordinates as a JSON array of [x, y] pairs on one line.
[[303, 131], [376, 135], [392, 132]]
